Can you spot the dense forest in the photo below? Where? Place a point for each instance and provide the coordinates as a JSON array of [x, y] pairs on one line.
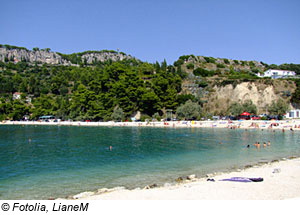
[[88, 93], [110, 90]]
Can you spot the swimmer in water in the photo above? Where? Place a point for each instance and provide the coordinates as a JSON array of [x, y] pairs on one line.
[[248, 146]]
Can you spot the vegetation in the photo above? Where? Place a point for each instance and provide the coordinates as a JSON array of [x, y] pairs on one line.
[[117, 90], [188, 111], [87, 93], [278, 107], [236, 108], [203, 72], [210, 59], [226, 61], [190, 66], [296, 95], [10, 47]]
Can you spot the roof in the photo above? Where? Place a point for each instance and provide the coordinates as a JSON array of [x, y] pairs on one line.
[[46, 117], [279, 70]]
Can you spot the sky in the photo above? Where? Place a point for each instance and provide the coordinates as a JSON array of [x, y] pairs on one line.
[[155, 30]]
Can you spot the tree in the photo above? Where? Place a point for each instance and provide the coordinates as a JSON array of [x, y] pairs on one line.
[[249, 107], [149, 102], [296, 95], [189, 110], [278, 107], [236, 108], [19, 110], [118, 114]]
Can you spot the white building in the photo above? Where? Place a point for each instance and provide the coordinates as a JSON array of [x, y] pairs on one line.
[[275, 73], [293, 114]]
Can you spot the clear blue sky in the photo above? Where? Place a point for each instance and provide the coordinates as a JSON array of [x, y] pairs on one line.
[[152, 30]]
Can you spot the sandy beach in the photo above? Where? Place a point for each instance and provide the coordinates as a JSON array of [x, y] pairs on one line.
[[280, 181], [293, 124]]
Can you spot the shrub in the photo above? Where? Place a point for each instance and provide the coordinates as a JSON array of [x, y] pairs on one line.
[[210, 59], [226, 61], [236, 62], [156, 116], [190, 66], [203, 72], [145, 117], [183, 98], [179, 62], [202, 84], [189, 110], [219, 65], [251, 64], [118, 114]]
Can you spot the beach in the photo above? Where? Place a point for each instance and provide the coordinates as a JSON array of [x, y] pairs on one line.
[[280, 181], [288, 124]]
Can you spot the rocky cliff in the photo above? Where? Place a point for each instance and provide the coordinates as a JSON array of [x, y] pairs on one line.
[[260, 92], [19, 54]]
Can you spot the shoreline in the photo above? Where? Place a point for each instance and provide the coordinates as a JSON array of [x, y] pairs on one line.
[[280, 181], [203, 188], [293, 124]]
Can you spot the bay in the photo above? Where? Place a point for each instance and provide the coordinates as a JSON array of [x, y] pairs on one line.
[[39, 162]]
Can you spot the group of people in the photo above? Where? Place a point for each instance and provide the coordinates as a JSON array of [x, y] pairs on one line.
[[258, 145]]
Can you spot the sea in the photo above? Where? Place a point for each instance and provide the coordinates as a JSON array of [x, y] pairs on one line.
[[42, 162]]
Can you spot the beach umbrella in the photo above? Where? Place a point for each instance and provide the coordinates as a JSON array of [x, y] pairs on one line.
[[245, 114]]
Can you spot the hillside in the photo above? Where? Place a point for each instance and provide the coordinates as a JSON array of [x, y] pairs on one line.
[[20, 54], [107, 85], [220, 82]]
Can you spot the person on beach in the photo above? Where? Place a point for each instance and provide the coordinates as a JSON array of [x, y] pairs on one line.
[[265, 145], [110, 148], [269, 143]]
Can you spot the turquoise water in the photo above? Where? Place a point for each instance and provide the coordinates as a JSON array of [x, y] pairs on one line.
[[62, 160]]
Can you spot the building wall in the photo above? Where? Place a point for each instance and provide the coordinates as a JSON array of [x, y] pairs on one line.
[[293, 114]]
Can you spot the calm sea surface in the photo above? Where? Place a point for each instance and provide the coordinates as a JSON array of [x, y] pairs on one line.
[[62, 160]]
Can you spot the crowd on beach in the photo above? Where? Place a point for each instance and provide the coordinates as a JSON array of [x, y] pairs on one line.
[[230, 124]]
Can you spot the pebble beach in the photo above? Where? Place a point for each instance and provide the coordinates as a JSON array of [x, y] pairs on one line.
[[280, 181]]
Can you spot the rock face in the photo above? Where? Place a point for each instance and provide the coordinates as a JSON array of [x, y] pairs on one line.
[[260, 94], [18, 55], [42, 56], [91, 57]]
